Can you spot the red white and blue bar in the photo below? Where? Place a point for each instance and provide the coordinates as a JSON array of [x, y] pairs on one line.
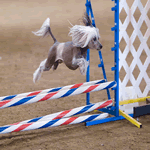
[[56, 95], [51, 123], [50, 90], [71, 112]]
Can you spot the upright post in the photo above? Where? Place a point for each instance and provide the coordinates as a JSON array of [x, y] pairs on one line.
[[116, 54], [89, 10], [88, 59]]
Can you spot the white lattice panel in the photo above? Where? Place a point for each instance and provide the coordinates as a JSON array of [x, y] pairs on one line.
[[143, 75]]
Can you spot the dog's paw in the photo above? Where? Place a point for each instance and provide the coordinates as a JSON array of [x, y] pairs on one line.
[[86, 63], [83, 64], [37, 75], [83, 72], [83, 68]]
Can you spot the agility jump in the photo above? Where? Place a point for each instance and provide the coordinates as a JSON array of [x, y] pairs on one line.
[[108, 107]]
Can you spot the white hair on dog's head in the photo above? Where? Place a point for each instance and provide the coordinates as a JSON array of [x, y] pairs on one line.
[[81, 35]]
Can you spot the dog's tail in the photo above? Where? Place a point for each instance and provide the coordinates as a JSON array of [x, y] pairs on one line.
[[37, 74], [45, 30]]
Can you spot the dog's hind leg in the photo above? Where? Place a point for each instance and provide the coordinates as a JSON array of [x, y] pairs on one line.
[[54, 67], [45, 65]]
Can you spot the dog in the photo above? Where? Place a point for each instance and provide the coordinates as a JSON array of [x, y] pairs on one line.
[[72, 53]]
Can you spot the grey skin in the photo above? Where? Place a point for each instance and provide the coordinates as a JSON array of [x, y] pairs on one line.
[[72, 56]]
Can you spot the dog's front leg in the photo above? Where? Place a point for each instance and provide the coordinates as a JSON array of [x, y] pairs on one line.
[[83, 64]]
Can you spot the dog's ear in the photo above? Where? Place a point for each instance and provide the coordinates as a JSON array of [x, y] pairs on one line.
[[86, 20]]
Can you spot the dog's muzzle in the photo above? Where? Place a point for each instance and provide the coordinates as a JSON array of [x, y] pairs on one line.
[[100, 47]]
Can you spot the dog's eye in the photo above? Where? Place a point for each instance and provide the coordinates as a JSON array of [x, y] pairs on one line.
[[94, 39]]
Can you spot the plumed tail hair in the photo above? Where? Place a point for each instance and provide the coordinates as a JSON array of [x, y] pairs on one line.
[[45, 30]]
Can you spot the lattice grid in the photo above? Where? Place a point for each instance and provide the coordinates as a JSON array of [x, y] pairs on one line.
[[134, 51]]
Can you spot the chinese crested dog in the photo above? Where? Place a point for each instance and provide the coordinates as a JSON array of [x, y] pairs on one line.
[[72, 53]]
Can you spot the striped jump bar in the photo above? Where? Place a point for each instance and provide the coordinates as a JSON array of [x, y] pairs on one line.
[[56, 95], [51, 90], [71, 112], [51, 123]]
